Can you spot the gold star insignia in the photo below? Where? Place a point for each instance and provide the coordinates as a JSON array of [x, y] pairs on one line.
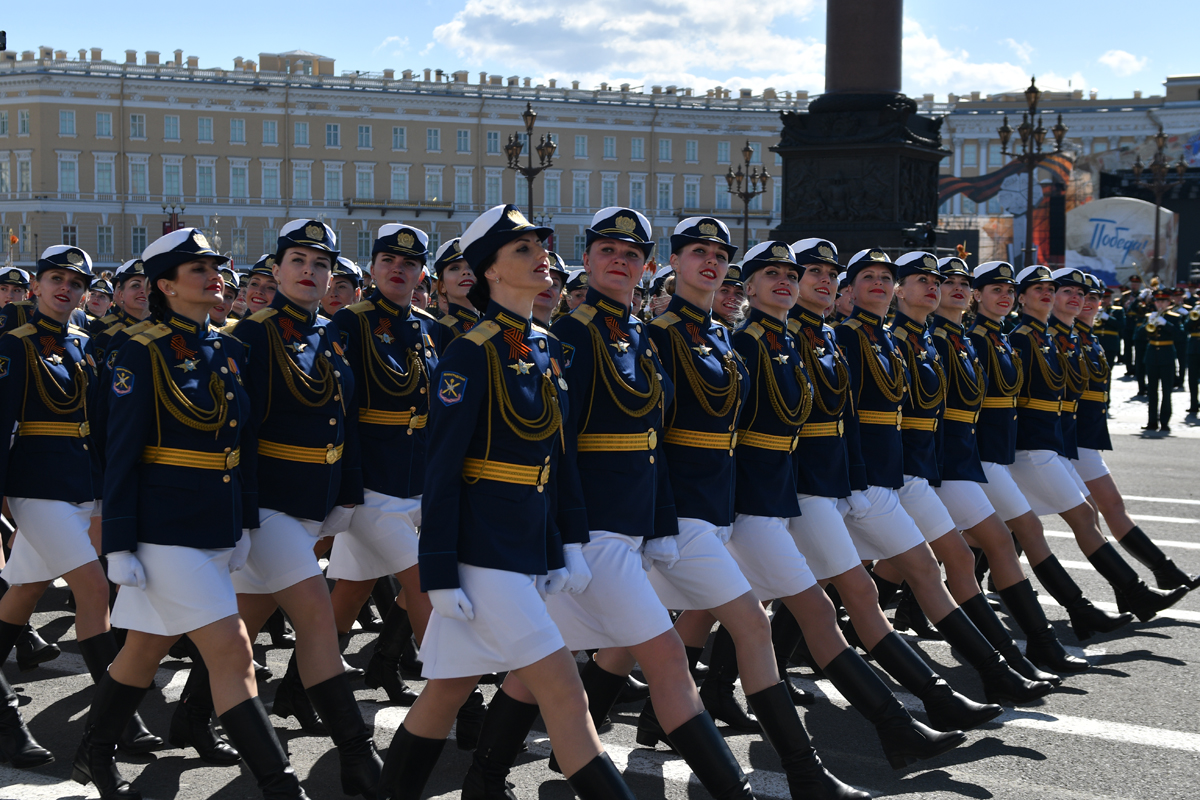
[[55, 359], [922, 355], [702, 349], [622, 347], [877, 348], [188, 364], [297, 347], [781, 358], [999, 349], [521, 367], [1045, 348], [386, 338]]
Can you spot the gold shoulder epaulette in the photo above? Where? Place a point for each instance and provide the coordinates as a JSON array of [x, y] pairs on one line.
[[794, 326], [482, 332], [111, 330], [1024, 330], [75, 330], [149, 335], [228, 327], [23, 331], [420, 312], [541, 330], [852, 324], [665, 319], [585, 313], [448, 320], [263, 316], [362, 307], [940, 333], [755, 330]]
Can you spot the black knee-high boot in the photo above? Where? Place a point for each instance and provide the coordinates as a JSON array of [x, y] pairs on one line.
[[191, 723], [98, 652], [469, 720], [248, 726], [17, 745], [599, 780], [947, 709], [501, 739], [1086, 619], [410, 762], [291, 701], [112, 708], [333, 700], [903, 738], [602, 688], [277, 627], [33, 650], [985, 619], [353, 672], [383, 671], [1166, 574], [717, 691], [886, 590], [1041, 645], [1132, 592], [1001, 684], [699, 671], [910, 617], [786, 639], [701, 745], [806, 775]]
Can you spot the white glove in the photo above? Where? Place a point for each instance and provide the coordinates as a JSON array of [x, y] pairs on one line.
[[124, 569], [577, 566], [664, 550], [553, 582], [337, 522], [860, 506], [241, 551], [452, 604]]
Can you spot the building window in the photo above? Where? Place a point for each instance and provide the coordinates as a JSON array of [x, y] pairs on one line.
[[104, 240], [608, 192], [104, 178], [755, 152], [399, 138], [433, 185], [1099, 146], [205, 180], [664, 149], [24, 175], [333, 183], [579, 192], [969, 207], [493, 143], [995, 157], [333, 134], [270, 183], [66, 123], [637, 193], [399, 184], [70, 235], [970, 154], [5, 177], [23, 122], [301, 134], [776, 197], [521, 193], [204, 130], [722, 193], [463, 140], [580, 247], [68, 177], [581, 146], [237, 131], [139, 179], [270, 240], [364, 183], [491, 189], [238, 183], [551, 191], [366, 243], [435, 241], [364, 137], [137, 239], [4, 123], [172, 180], [722, 152], [610, 147], [462, 189], [756, 203], [664, 194], [637, 148], [433, 140], [691, 150], [103, 124], [270, 131], [137, 126], [691, 193], [171, 128], [993, 206], [238, 245]]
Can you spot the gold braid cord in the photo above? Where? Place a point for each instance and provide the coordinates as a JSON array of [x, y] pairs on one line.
[[1054, 381], [923, 400], [611, 378], [820, 383], [176, 403], [792, 417], [970, 392], [728, 395], [1098, 370], [1076, 380], [890, 386], [996, 372], [382, 376], [309, 391], [73, 401]]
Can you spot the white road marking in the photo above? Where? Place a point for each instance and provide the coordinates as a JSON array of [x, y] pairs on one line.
[[1170, 613], [1152, 518], [1159, 542], [1102, 729], [1172, 500]]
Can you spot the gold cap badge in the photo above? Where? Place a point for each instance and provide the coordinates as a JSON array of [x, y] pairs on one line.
[[406, 240], [200, 241], [314, 232], [517, 218], [779, 251], [1004, 271], [74, 258], [930, 262], [625, 224], [825, 251], [875, 255]]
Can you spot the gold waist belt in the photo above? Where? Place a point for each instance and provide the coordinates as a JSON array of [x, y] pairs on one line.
[[766, 441], [617, 442], [705, 441], [1053, 406], [477, 468], [880, 418], [812, 430], [406, 418], [919, 424], [999, 402], [196, 459], [1068, 406], [75, 430], [958, 415], [305, 455], [1095, 397]]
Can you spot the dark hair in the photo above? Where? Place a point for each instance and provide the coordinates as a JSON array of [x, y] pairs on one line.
[[480, 294], [155, 299]]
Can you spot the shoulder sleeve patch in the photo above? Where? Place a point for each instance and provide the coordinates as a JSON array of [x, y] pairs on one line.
[[482, 332], [4, 362], [452, 388], [568, 351], [122, 381]]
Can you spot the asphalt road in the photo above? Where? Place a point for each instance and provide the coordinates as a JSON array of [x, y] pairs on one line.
[[1128, 728]]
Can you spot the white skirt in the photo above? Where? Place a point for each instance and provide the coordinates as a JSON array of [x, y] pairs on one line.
[[820, 535], [619, 607], [768, 557], [965, 501], [1002, 491], [1090, 465], [52, 539], [1048, 482], [186, 589], [381, 540], [511, 629], [922, 504], [887, 530], [281, 554], [705, 576]]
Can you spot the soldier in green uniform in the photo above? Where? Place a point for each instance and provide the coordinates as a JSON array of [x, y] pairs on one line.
[[1110, 324], [1156, 337], [1178, 315], [1191, 328]]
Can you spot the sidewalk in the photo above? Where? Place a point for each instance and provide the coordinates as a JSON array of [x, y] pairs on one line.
[[1127, 416]]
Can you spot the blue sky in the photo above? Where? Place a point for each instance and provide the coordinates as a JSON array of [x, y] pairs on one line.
[[958, 47]]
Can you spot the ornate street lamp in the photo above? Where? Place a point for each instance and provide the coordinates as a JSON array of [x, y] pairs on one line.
[[545, 151], [755, 184], [1032, 133], [1158, 185]]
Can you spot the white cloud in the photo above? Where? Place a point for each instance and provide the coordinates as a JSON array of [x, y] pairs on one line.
[[1023, 49], [1123, 63], [931, 67], [397, 44]]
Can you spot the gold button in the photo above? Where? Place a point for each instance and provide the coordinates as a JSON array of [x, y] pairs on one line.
[[337, 373], [229, 395], [541, 344], [328, 354], [337, 397], [416, 325], [216, 345], [225, 479], [422, 390], [637, 328], [228, 449], [651, 459], [224, 370], [333, 421], [972, 430], [320, 331], [85, 447], [233, 423], [408, 431]]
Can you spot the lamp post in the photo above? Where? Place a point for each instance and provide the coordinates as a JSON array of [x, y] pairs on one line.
[[755, 184], [545, 151], [1032, 139], [1158, 185], [172, 223]]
